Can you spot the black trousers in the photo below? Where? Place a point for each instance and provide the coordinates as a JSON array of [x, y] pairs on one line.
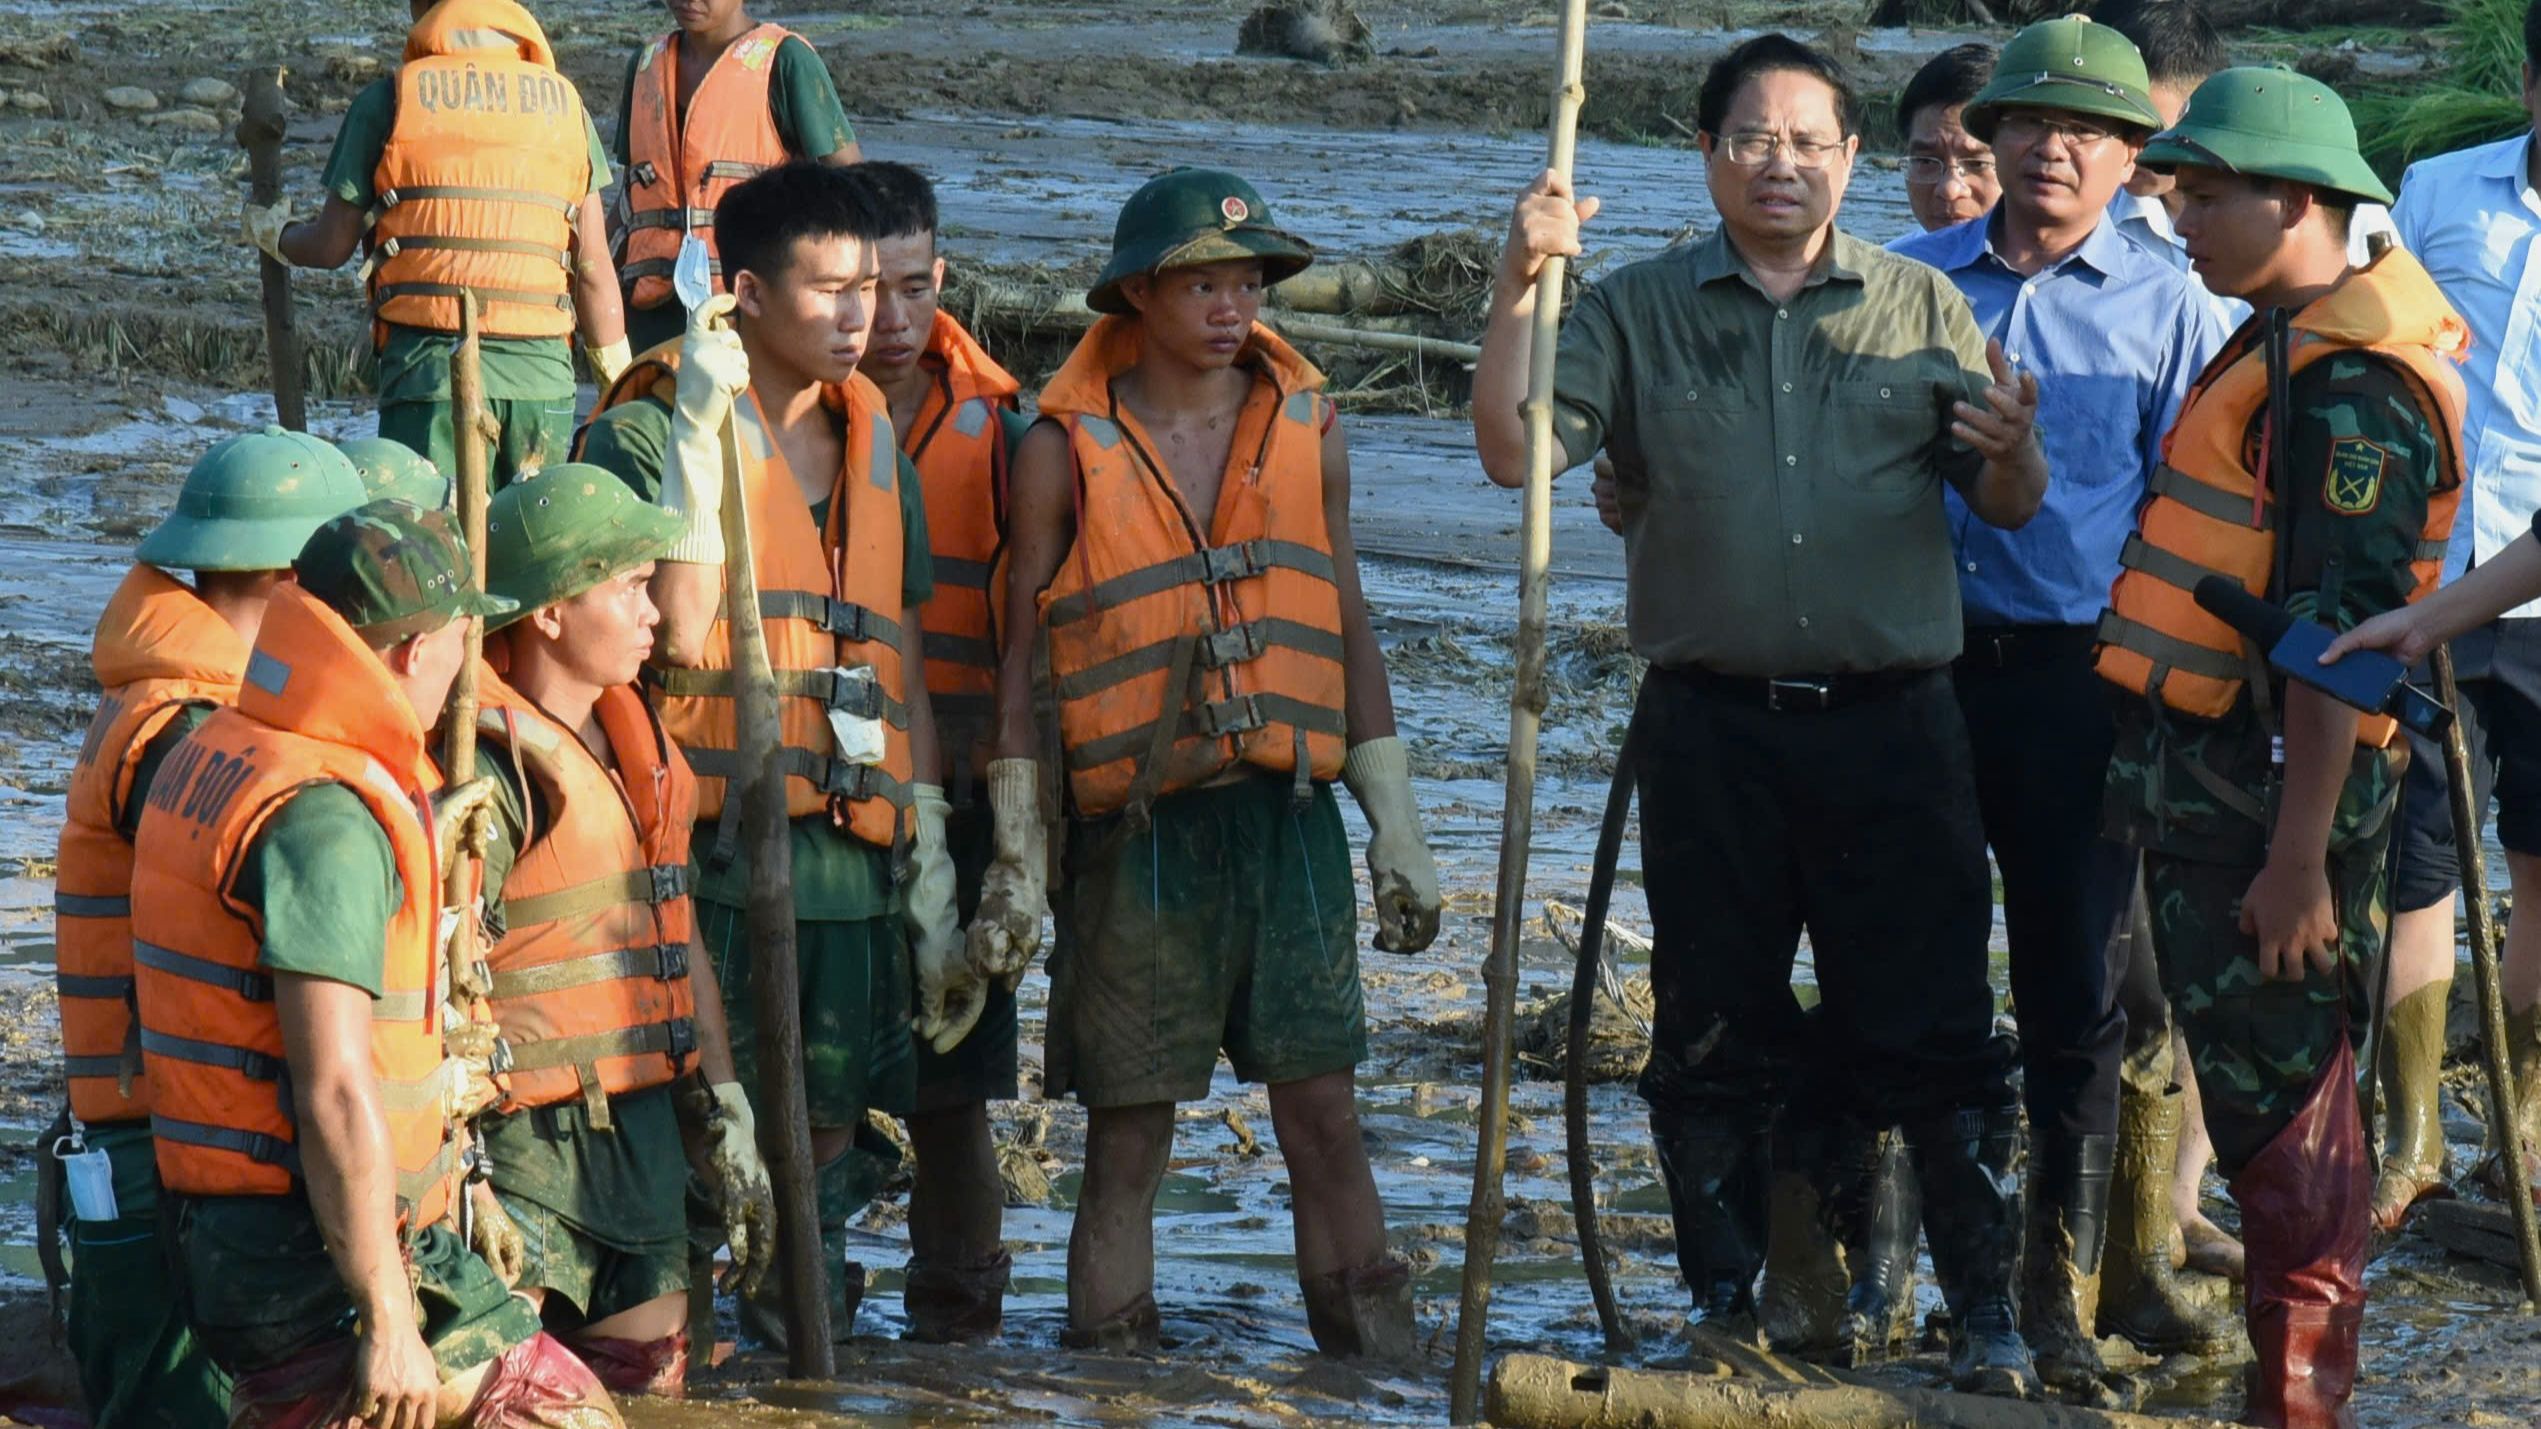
[[2042, 723], [1856, 824]]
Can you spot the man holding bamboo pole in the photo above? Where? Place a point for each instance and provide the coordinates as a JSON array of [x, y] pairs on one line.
[[1787, 404], [840, 553]]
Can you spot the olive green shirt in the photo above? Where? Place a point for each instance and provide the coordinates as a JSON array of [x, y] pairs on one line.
[[837, 877], [323, 882], [1780, 464], [414, 365], [802, 103]]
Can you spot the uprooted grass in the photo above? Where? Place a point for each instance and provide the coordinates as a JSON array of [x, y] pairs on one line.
[[213, 349], [2475, 101]]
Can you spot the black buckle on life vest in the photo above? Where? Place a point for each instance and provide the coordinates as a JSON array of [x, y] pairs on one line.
[[673, 962], [1219, 564], [1233, 645], [683, 1035], [849, 695], [1241, 715], [1782, 695], [846, 619], [670, 881]]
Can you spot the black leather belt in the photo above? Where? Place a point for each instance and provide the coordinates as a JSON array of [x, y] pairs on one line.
[[1788, 694], [2013, 647]]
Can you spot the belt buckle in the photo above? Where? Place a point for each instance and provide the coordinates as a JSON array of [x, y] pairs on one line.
[[1784, 695], [2002, 644]]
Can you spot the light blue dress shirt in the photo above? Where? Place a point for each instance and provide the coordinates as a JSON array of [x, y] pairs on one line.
[[2472, 218], [2115, 337]]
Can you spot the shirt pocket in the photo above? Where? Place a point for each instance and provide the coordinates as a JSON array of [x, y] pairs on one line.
[[1879, 432], [1698, 439]]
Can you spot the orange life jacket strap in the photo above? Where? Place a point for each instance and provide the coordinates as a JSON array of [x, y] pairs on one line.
[[636, 885], [415, 193], [255, 987], [87, 905], [254, 1145], [1212, 565], [114, 989], [675, 1038], [1216, 650], [659, 268], [2212, 502], [562, 257], [667, 962], [688, 218], [1218, 719], [2168, 567], [833, 777], [387, 293], [969, 575], [842, 618], [2169, 650], [862, 698]]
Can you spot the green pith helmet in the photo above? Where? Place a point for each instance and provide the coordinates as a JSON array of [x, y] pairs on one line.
[[2269, 123], [394, 471], [394, 570], [552, 536], [2066, 64], [250, 503], [1186, 217]]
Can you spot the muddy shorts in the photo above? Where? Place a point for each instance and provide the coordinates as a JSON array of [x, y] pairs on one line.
[[857, 997], [262, 1291], [984, 1067], [536, 433], [1230, 921], [602, 1213]]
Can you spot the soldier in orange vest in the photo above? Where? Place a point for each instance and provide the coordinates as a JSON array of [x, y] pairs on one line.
[[309, 1124], [705, 106], [1180, 533], [954, 409], [839, 547], [167, 653], [2317, 463], [475, 169]]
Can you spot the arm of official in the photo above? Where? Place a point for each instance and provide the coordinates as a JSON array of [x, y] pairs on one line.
[[1544, 224], [1991, 454]]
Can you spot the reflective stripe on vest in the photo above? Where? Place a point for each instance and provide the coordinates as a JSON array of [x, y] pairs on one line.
[[680, 168]]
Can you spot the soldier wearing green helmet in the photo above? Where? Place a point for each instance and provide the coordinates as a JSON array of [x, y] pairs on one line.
[[167, 653], [2263, 809], [394, 471]]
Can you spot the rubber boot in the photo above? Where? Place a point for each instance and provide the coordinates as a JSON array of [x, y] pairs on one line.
[[1877, 1211], [957, 1305], [2307, 1219], [1715, 1169], [2060, 1274], [1136, 1328], [2523, 1049], [1969, 1163], [1364, 1312], [1800, 1310], [2141, 1299], [2414, 1164]]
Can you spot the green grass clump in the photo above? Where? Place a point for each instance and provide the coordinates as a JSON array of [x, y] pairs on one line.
[[2478, 99]]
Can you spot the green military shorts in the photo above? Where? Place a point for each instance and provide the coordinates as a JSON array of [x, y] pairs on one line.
[[1229, 922], [536, 433], [858, 1054], [138, 1362], [261, 1289], [984, 1067], [602, 1213]]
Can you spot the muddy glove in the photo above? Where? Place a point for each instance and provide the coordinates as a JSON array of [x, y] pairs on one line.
[[950, 993], [1379, 774], [494, 1238], [470, 1046], [743, 1196], [453, 810], [609, 362], [1006, 930], [263, 225], [713, 371]]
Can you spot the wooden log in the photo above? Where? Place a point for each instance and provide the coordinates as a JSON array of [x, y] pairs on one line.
[[1065, 308], [1538, 1392]]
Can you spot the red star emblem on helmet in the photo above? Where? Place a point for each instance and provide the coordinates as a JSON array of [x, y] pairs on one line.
[[1235, 209]]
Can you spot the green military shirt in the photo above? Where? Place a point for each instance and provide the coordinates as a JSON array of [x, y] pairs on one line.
[[1780, 463], [2365, 463], [154, 754], [414, 365], [836, 877], [802, 102]]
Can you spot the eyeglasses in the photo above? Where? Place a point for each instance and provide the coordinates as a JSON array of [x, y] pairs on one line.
[[1753, 151], [2030, 129], [1933, 169]]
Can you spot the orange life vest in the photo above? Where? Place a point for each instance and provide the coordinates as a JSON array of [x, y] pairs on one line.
[[316, 707], [678, 170], [958, 445], [1175, 658], [2210, 515], [482, 174], [590, 976], [158, 649], [829, 598]]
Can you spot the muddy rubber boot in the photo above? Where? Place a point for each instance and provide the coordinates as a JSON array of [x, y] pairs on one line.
[[1800, 1310], [1364, 1312], [2523, 1047], [2414, 1164], [841, 1187], [1969, 1163], [956, 1305], [2141, 1299], [2307, 1218], [2060, 1274], [1715, 1169], [1877, 1211], [1135, 1328]]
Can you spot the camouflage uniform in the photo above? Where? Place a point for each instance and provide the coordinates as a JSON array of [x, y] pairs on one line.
[[2364, 464]]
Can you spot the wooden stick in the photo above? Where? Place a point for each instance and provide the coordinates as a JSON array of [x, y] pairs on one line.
[[2483, 966], [259, 132], [1067, 309], [785, 1116], [1587, 957], [1526, 716], [1534, 1392], [458, 721]]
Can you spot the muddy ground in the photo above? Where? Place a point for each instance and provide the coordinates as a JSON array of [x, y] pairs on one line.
[[129, 329]]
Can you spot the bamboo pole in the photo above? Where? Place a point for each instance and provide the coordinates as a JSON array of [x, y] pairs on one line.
[[458, 722], [260, 127], [1526, 715], [2483, 966]]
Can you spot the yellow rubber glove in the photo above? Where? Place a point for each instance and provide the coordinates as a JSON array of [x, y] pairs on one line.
[[263, 225], [495, 1238], [744, 1197], [950, 992], [1379, 774], [609, 362], [1014, 893], [453, 809], [713, 373]]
